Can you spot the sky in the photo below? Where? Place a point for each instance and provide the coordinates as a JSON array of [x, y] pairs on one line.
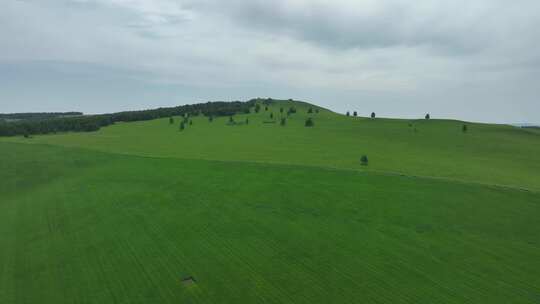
[[471, 60]]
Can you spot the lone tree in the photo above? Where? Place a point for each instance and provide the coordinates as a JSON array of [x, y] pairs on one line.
[[372, 114], [464, 128], [271, 115], [310, 110], [309, 122], [182, 126], [348, 113], [427, 116], [283, 121], [355, 114], [257, 108], [364, 160], [171, 120]]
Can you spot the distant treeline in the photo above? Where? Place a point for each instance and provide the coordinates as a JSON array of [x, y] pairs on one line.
[[35, 116], [90, 123]]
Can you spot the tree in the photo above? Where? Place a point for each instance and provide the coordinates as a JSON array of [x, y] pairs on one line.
[[210, 118], [372, 114], [283, 121], [247, 121], [309, 122], [266, 108], [348, 113], [427, 116], [190, 122], [281, 110], [292, 110], [317, 111], [310, 110], [231, 119], [271, 115], [182, 126], [171, 120], [355, 114], [257, 108], [364, 160], [464, 128]]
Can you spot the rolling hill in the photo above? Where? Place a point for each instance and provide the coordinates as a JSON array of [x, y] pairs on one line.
[[221, 212]]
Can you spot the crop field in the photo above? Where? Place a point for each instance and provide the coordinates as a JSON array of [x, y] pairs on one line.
[[258, 212]]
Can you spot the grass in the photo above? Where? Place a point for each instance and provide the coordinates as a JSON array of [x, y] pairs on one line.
[[125, 214], [490, 154]]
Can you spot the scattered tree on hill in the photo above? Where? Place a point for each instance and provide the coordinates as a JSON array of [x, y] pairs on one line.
[[171, 120], [190, 122], [372, 114], [309, 122], [428, 116], [266, 108], [348, 113], [355, 114], [283, 121], [182, 126], [281, 110], [310, 110], [317, 111], [247, 121], [364, 160], [231, 119], [271, 115], [464, 128], [257, 108], [290, 99]]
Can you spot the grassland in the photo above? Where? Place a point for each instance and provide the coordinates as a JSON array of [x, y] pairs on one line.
[[261, 213], [490, 154]]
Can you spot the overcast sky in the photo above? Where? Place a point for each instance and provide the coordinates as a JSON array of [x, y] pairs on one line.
[[473, 60]]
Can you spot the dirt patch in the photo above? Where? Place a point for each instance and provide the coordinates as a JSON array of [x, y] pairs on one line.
[[188, 281]]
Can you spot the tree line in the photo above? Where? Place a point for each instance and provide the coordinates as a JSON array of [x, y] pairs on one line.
[[88, 123]]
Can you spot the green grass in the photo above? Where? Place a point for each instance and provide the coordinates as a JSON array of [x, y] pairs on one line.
[[490, 154], [268, 214]]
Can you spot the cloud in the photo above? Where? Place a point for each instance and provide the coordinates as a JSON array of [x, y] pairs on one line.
[[373, 53]]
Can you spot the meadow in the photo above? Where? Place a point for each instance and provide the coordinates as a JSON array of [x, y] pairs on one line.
[[264, 213]]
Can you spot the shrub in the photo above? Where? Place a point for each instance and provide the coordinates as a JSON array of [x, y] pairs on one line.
[[283, 121], [317, 111], [427, 116], [364, 160], [271, 115], [190, 122], [464, 128], [309, 122], [247, 121], [281, 110], [171, 120], [182, 126], [231, 119], [210, 118], [310, 110]]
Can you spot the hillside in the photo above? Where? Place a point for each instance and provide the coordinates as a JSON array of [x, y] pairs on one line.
[[488, 154], [142, 212]]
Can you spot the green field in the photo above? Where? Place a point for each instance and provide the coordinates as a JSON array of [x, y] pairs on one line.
[[263, 213]]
